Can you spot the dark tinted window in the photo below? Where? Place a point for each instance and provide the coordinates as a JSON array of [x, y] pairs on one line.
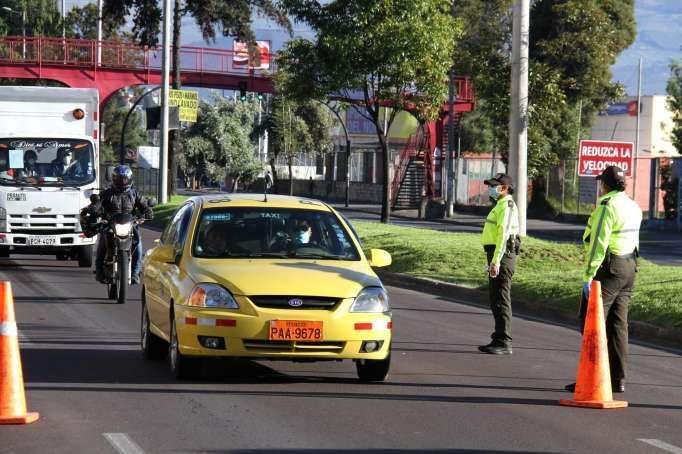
[[285, 233]]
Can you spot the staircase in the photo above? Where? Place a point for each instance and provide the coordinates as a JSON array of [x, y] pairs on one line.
[[410, 193]]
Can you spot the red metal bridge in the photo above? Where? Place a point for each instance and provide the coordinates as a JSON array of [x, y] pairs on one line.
[[73, 62]]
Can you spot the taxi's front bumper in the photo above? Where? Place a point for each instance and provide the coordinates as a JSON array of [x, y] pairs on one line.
[[235, 334]]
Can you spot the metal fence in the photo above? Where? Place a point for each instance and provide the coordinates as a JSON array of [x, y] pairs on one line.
[[145, 180]]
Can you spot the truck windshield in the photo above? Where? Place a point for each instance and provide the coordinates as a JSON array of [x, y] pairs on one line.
[[46, 162]]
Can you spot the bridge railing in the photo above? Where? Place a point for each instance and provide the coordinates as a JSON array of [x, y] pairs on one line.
[[116, 55]]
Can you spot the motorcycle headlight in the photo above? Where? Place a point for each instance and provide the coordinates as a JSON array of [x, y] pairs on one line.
[[123, 230], [212, 295], [371, 299]]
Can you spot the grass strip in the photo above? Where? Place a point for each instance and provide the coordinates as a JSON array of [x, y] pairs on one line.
[[546, 271]]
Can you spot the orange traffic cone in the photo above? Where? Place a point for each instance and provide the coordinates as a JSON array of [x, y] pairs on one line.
[[593, 384], [12, 399]]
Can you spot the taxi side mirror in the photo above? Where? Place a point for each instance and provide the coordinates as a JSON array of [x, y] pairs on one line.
[[379, 258], [164, 253]]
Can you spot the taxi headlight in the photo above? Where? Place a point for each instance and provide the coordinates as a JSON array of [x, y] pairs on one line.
[[371, 299], [123, 230], [212, 295]]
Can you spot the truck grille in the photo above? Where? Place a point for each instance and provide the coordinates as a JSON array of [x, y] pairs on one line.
[[282, 302], [42, 223]]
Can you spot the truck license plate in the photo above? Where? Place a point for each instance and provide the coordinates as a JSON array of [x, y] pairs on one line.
[[42, 240], [16, 196]]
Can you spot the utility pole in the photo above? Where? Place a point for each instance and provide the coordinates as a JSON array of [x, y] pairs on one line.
[[639, 108], [518, 122], [165, 90], [450, 198], [99, 32]]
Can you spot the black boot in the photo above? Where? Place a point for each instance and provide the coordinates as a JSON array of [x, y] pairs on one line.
[[496, 349]]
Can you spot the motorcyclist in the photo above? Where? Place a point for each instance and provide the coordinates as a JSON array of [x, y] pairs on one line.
[[121, 197]]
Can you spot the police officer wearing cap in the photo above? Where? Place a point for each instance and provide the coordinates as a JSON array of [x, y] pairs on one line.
[[501, 244], [611, 242]]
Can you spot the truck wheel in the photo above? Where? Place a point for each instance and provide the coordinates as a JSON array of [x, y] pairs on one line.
[[373, 369], [85, 256]]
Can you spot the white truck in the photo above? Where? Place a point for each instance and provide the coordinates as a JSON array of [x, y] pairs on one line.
[[49, 161]]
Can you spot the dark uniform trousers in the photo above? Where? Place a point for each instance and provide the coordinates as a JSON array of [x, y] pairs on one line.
[[500, 296], [617, 278]]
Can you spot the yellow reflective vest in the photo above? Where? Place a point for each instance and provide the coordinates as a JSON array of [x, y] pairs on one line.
[[613, 228], [502, 222]]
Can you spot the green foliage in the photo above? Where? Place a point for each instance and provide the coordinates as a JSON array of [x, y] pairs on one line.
[[42, 18], [573, 43], [113, 117], [396, 52], [82, 22], [219, 144], [231, 17], [674, 90]]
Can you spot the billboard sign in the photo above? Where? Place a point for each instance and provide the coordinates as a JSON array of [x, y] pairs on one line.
[[620, 108], [596, 155], [259, 58], [188, 103]]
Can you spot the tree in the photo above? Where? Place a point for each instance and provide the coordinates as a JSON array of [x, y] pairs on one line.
[[42, 18], [113, 117], [220, 143], [295, 128], [232, 17], [674, 89], [396, 53], [81, 22]]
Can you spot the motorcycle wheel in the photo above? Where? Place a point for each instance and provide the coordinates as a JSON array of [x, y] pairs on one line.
[[122, 277]]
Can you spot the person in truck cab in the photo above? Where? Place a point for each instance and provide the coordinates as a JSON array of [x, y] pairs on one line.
[[65, 165], [121, 197]]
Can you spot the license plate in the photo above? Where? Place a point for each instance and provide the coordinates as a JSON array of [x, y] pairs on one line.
[[16, 196], [296, 330], [42, 240]]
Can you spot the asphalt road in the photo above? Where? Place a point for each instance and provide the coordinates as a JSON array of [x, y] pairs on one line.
[[85, 375]]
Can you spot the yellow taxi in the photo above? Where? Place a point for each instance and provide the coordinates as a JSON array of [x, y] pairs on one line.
[[246, 276]]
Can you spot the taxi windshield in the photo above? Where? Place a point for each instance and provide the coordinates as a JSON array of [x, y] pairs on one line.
[[46, 162], [275, 233]]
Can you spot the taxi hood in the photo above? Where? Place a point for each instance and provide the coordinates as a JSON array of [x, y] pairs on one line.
[[246, 277]]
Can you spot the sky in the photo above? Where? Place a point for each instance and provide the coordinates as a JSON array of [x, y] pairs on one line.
[[659, 39]]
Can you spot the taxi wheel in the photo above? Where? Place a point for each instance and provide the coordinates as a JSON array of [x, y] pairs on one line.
[[370, 370], [183, 367], [153, 347]]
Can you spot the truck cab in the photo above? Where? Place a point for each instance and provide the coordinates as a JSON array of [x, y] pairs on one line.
[[48, 170]]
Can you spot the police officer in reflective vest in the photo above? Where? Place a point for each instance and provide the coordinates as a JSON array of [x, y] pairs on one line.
[[611, 249], [501, 243]]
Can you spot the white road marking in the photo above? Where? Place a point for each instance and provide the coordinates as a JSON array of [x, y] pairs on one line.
[[123, 444], [661, 445]]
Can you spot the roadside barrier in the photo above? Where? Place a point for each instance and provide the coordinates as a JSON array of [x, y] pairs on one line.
[[12, 398], [593, 384]]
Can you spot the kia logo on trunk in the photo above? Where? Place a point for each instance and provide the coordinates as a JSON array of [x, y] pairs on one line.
[[295, 302]]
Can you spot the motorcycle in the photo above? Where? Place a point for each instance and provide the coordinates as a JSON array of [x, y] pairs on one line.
[[118, 234]]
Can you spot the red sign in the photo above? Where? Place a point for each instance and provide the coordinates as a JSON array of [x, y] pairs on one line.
[[632, 108], [596, 155]]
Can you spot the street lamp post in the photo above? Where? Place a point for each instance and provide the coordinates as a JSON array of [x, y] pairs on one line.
[[23, 27], [348, 152], [122, 148]]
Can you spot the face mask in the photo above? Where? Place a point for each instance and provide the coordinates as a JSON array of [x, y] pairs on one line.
[[67, 159], [493, 192], [303, 237]]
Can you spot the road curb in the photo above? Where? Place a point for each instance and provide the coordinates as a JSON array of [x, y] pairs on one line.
[[639, 331]]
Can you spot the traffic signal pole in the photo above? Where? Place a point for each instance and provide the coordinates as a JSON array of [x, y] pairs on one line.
[[518, 122]]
